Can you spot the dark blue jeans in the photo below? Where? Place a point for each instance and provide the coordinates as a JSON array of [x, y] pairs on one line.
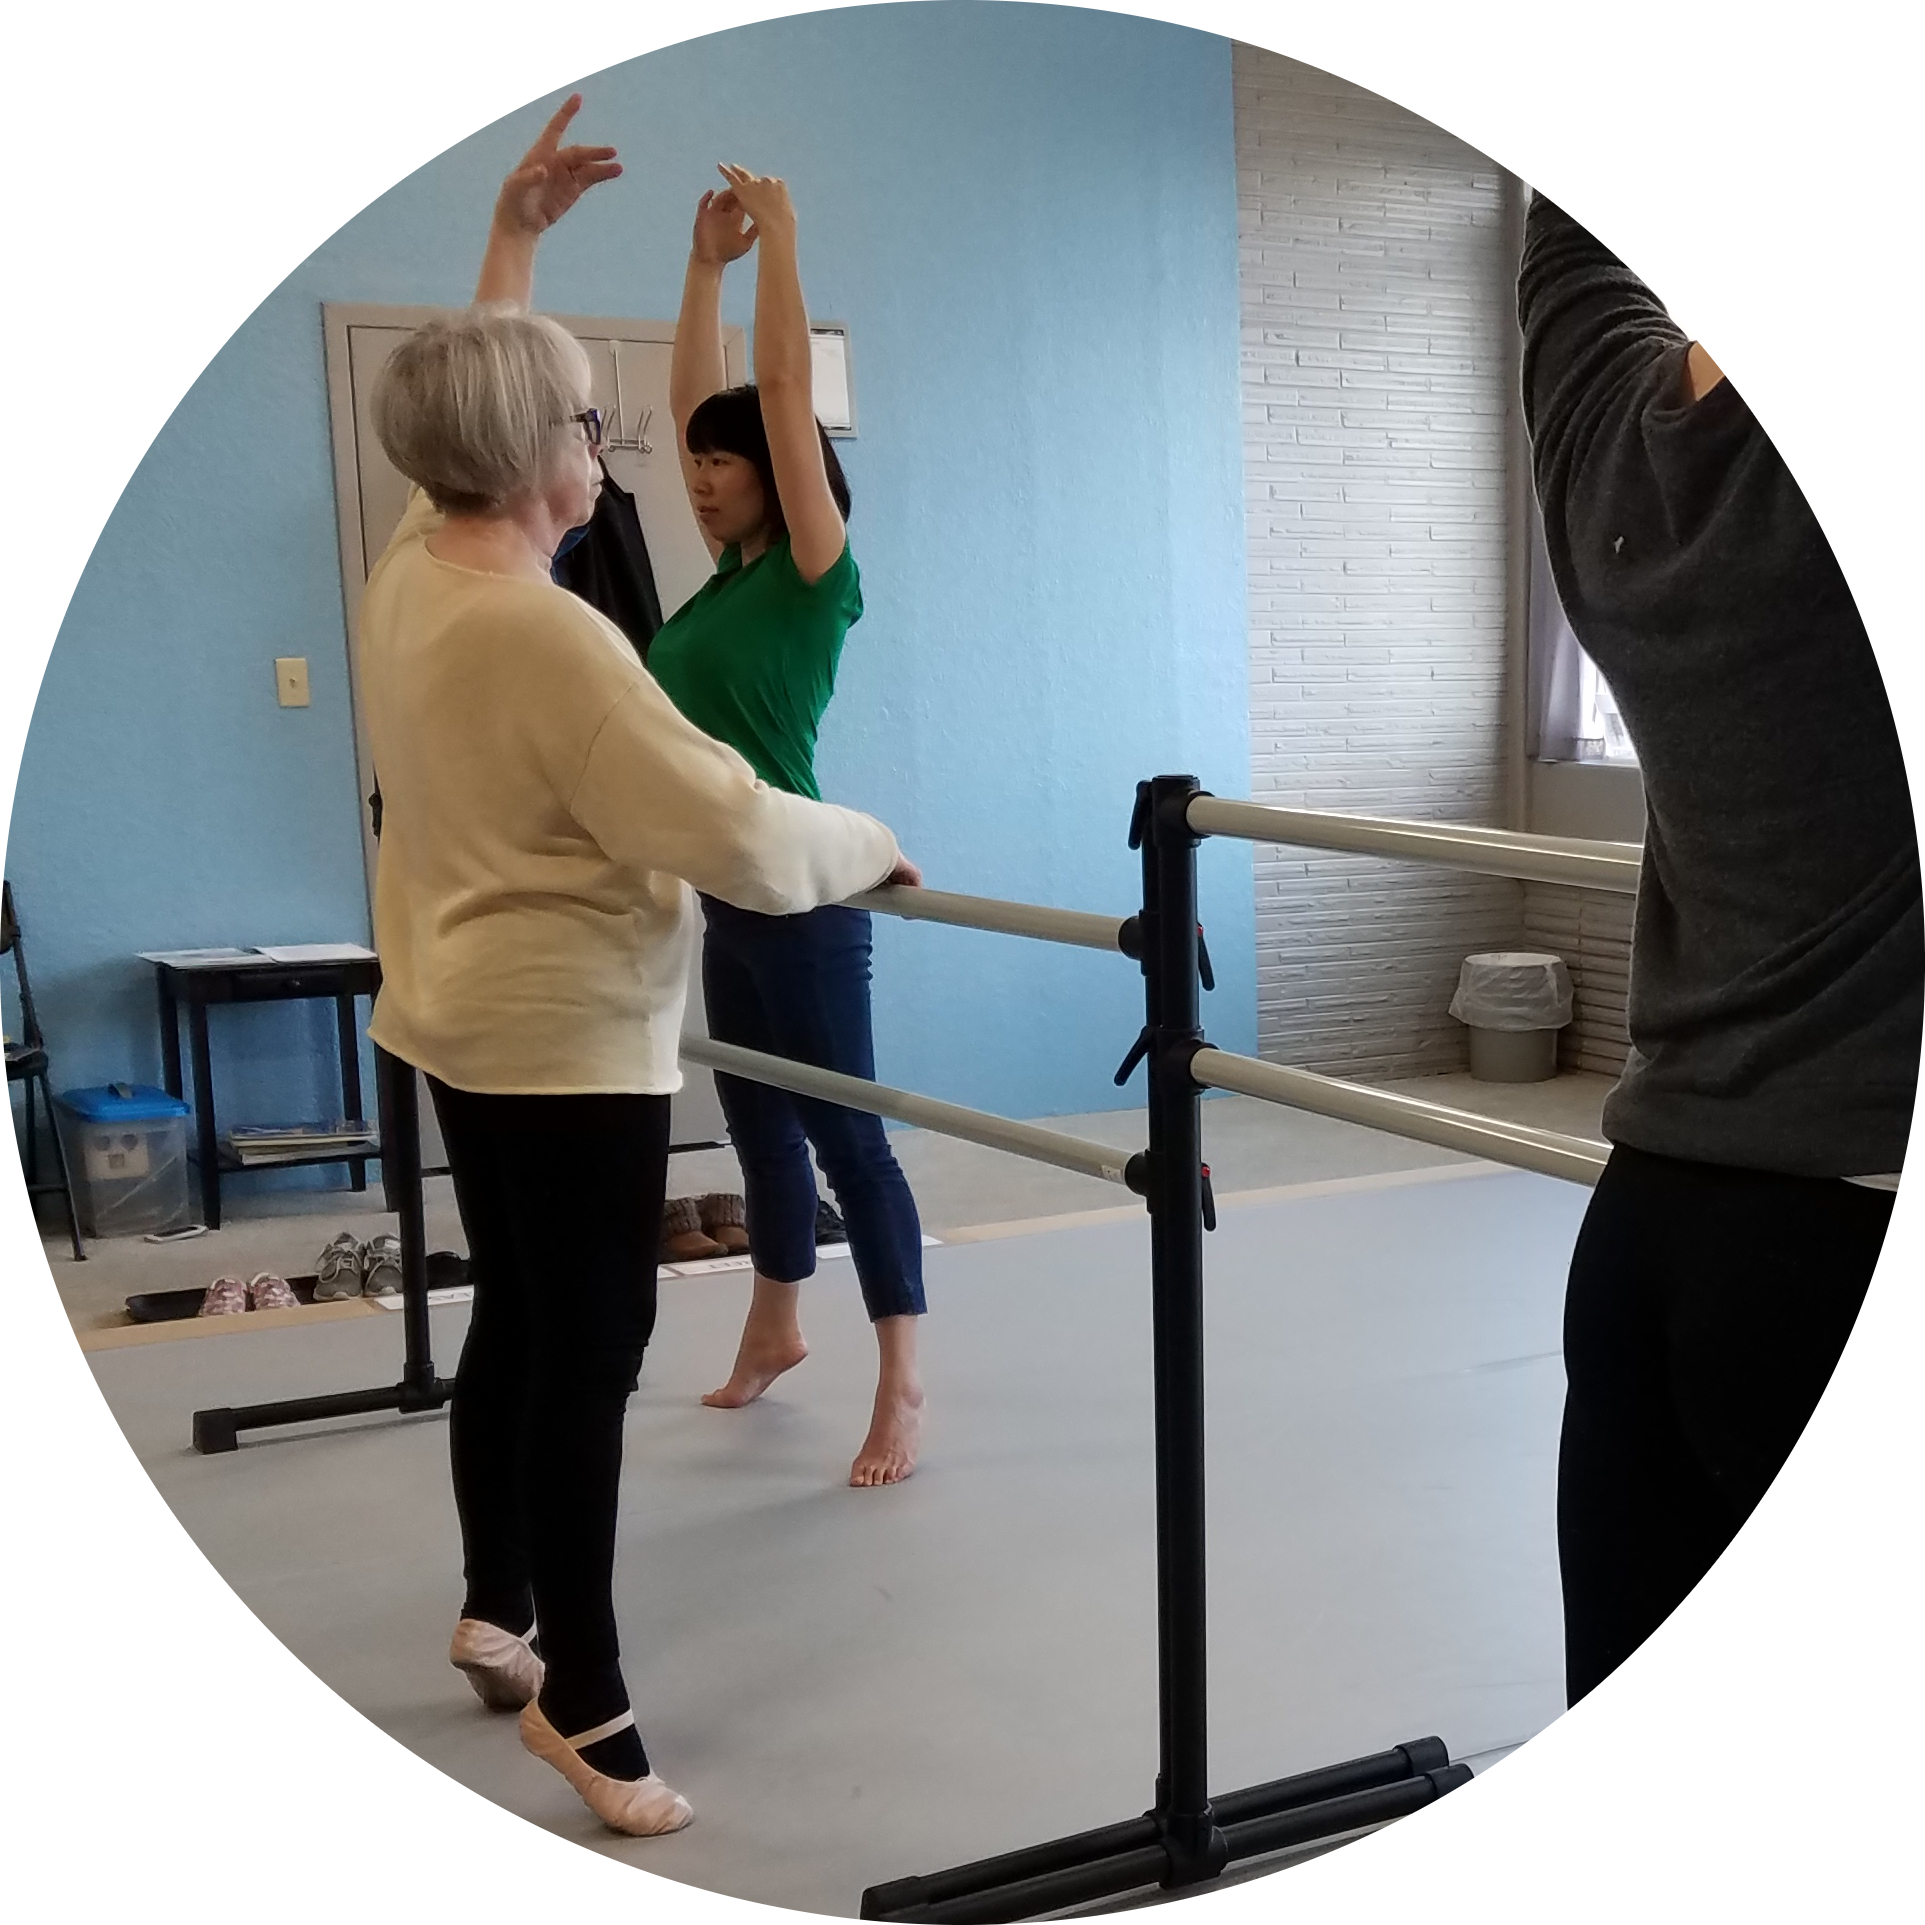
[[798, 986]]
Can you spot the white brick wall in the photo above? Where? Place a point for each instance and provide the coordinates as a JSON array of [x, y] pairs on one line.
[[1592, 932], [1377, 290]]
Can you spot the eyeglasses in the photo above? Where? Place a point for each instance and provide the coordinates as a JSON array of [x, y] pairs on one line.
[[591, 420]]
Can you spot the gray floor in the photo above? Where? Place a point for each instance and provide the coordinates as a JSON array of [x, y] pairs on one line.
[[959, 1187], [855, 1685]]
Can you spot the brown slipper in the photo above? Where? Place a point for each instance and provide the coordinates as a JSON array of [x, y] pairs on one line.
[[683, 1238], [725, 1218]]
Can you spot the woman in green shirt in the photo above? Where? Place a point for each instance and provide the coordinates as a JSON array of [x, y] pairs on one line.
[[751, 659]]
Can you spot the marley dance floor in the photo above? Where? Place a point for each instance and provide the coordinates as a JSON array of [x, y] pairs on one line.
[[855, 1685]]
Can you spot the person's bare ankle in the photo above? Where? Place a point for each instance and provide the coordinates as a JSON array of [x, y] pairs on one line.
[[889, 1452], [758, 1363]]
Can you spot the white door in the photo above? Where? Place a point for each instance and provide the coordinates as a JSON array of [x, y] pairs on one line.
[[629, 361]]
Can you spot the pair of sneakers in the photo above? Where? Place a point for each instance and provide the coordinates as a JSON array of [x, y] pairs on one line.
[[350, 1268], [230, 1297], [507, 1674]]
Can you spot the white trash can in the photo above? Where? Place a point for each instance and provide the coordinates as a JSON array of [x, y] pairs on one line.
[[1514, 1003]]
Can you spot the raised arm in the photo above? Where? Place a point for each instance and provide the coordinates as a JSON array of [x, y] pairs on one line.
[[782, 377], [697, 367], [1590, 327], [546, 183]]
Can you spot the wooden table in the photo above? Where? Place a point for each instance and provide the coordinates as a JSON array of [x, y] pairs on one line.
[[259, 979]]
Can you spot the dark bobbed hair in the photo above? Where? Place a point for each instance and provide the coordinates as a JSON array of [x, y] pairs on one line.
[[730, 423]]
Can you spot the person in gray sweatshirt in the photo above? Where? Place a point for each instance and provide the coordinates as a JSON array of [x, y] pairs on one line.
[[1778, 953]]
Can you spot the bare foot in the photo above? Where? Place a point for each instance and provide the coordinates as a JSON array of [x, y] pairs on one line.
[[771, 1343], [757, 1366], [888, 1453]]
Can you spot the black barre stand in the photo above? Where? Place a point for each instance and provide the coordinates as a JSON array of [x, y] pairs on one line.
[[1187, 1838], [419, 1389]]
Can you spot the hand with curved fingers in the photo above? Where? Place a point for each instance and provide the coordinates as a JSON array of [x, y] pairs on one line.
[[905, 875], [720, 236], [783, 375], [764, 198], [551, 178], [547, 182]]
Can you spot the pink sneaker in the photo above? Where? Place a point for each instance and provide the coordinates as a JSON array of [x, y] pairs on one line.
[[225, 1297], [267, 1292]]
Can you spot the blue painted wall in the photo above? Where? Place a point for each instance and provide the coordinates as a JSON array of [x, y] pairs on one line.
[[1027, 216]]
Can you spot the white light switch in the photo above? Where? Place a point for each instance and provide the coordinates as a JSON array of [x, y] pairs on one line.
[[290, 680]]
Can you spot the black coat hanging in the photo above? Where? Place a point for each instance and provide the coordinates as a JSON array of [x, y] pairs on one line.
[[608, 566]]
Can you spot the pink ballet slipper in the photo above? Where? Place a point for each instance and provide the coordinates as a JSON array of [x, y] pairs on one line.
[[504, 1671], [642, 1807]]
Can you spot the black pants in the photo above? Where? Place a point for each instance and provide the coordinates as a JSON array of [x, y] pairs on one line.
[[1707, 1309], [561, 1199]]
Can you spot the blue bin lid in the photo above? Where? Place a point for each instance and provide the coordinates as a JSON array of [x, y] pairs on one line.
[[122, 1103]]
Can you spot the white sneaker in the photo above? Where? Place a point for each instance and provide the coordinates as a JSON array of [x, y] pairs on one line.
[[505, 1673], [642, 1807], [381, 1266], [337, 1271]]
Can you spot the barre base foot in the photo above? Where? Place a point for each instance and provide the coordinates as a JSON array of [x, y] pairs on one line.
[[219, 1429], [1142, 1852]]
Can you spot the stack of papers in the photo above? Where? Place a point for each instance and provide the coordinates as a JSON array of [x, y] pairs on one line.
[[287, 952], [276, 1142], [198, 958], [316, 952]]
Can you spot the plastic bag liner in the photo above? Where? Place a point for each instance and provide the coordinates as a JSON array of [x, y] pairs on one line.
[[1513, 990]]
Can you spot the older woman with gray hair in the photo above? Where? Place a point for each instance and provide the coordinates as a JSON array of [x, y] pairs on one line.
[[545, 811]]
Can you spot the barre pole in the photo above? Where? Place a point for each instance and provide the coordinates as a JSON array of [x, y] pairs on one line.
[[1196, 1849], [1074, 926], [1576, 1159], [1609, 866], [1067, 1152], [1186, 1839]]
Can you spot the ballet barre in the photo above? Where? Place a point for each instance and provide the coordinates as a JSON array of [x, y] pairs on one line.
[[1076, 1153], [1576, 1159], [1610, 866], [1187, 1837], [1073, 926]]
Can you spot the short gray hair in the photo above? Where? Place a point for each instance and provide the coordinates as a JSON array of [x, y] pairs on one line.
[[471, 405]]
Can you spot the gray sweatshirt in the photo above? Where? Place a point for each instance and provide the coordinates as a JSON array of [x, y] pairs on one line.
[[1778, 956]]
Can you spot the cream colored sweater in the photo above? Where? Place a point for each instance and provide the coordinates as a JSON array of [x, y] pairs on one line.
[[544, 810]]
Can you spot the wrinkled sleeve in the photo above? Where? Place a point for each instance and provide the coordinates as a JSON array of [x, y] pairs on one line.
[[656, 793], [1589, 324]]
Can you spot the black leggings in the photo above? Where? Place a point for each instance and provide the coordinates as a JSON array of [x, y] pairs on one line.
[[1706, 1312], [561, 1199]]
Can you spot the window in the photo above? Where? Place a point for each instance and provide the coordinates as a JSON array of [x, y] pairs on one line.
[[1573, 715], [1602, 736]]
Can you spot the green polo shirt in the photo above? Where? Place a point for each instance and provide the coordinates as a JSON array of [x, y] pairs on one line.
[[750, 658]]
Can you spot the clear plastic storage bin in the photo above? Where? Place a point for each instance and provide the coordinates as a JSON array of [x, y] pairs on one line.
[[127, 1147]]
